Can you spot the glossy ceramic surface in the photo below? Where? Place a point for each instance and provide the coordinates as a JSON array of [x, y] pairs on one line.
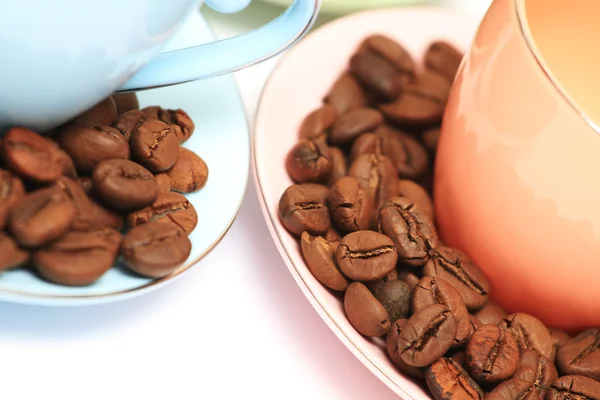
[[307, 72], [221, 139], [515, 183], [348, 6]]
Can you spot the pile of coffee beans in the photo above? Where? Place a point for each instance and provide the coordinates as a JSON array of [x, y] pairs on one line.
[[107, 184], [362, 209]]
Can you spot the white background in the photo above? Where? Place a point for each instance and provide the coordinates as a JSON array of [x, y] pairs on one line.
[[237, 326]]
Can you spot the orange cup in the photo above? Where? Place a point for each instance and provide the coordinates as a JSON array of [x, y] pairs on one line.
[[515, 184]]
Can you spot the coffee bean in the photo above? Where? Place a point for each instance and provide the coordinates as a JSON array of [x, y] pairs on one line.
[[491, 313], [179, 120], [345, 94], [581, 355], [574, 387], [431, 291], [430, 84], [391, 341], [447, 380], [82, 203], [303, 207], [354, 123], [333, 238], [366, 255], [431, 138], [318, 122], [308, 161], [168, 208], [350, 208], [86, 184], [103, 113], [163, 182], [12, 255], [492, 355], [78, 258], [394, 296], [124, 185], [456, 268], [155, 249], [87, 146], [560, 338], [41, 217], [68, 167], [428, 334], [475, 324], [460, 358], [515, 389], [103, 217], [410, 229], [126, 102], [444, 58], [413, 110], [530, 333], [417, 194], [129, 122], [538, 370], [11, 192], [339, 169], [319, 257], [31, 156], [392, 52], [155, 145], [376, 73], [364, 312], [378, 177], [409, 276], [189, 174], [378, 283]]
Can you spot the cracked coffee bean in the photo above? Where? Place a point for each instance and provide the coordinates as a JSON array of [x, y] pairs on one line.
[[581, 355], [392, 52], [492, 355], [378, 177], [443, 58], [155, 145], [559, 337], [303, 207], [179, 121], [82, 203], [574, 387], [538, 370], [514, 389], [350, 208], [391, 342], [375, 73], [447, 380], [318, 123], [366, 255], [430, 290], [126, 102], [129, 122], [530, 333], [11, 255], [168, 208], [308, 161], [319, 257], [491, 313], [339, 168], [410, 229], [189, 174], [346, 94], [351, 125], [124, 185], [12, 191], [103, 113], [457, 269], [417, 194], [394, 296], [364, 312], [427, 336]]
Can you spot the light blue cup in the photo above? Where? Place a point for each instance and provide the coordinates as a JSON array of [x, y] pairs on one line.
[[60, 57]]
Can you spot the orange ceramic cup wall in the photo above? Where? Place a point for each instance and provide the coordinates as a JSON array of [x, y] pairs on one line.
[[517, 183]]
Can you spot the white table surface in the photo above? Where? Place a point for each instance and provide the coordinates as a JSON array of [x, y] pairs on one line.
[[237, 326]]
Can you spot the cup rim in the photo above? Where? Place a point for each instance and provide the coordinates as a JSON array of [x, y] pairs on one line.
[[527, 35]]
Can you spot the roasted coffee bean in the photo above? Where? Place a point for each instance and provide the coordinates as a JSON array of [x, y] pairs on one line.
[[417, 194], [354, 123], [346, 94], [514, 389], [391, 342], [431, 138], [349, 205], [126, 102], [394, 296], [163, 182], [12, 191], [491, 313], [366, 255], [87, 146], [124, 185], [168, 208], [155, 249], [448, 380], [456, 268], [409, 276], [378, 177], [364, 312], [11, 255], [492, 355], [129, 122], [179, 120], [86, 184], [339, 168], [333, 238], [444, 58], [376, 74], [31, 156], [304, 208], [78, 258], [538, 370], [559, 337], [189, 174], [431, 291], [308, 161], [68, 167], [41, 217], [430, 84], [530, 333], [376, 284], [475, 323], [581, 355], [318, 122], [427, 336], [82, 203], [155, 145], [392, 52], [103, 113], [574, 387], [410, 229], [103, 217], [413, 110], [319, 257], [460, 358]]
